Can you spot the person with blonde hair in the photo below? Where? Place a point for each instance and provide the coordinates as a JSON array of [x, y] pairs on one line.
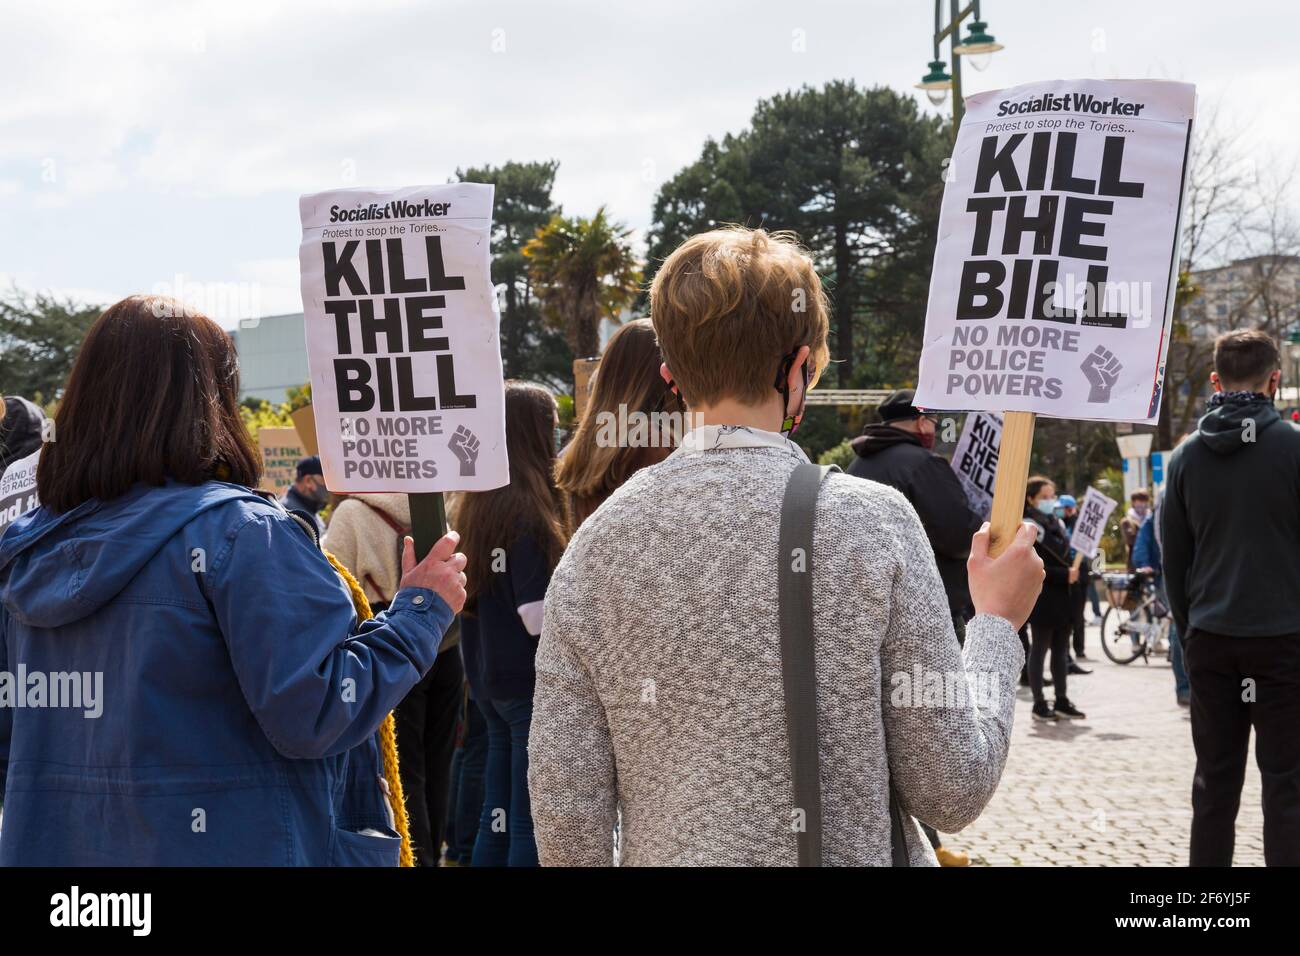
[[659, 677], [632, 420]]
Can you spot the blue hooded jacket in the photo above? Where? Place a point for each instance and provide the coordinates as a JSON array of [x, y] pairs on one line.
[[236, 719]]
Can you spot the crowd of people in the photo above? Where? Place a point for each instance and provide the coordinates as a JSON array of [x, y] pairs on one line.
[[588, 667]]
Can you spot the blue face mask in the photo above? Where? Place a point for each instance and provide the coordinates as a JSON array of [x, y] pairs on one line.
[[1047, 506]]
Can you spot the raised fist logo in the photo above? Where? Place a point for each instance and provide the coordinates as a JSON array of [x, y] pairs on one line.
[[464, 446], [1101, 368]]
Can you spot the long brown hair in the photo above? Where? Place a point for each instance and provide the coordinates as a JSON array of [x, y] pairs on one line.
[[628, 376], [154, 394], [529, 506]]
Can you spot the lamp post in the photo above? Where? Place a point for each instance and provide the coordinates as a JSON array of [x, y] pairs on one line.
[[978, 45], [1293, 351]]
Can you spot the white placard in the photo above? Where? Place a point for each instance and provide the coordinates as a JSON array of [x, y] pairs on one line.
[[1052, 287], [1090, 525], [975, 459], [18, 489], [403, 338]]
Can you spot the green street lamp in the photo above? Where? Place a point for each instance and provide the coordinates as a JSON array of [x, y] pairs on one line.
[[979, 41], [936, 83], [977, 46]]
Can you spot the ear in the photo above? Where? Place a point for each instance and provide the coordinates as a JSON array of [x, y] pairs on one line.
[[795, 379], [1214, 380], [1274, 382], [666, 375]]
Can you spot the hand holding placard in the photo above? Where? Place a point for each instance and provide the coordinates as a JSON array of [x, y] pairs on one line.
[[442, 571], [1008, 585]]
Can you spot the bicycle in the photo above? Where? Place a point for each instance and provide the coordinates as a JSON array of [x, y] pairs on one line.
[[1137, 622]]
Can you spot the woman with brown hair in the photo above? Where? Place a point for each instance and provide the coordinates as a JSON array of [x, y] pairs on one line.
[[514, 537], [226, 698], [627, 389]]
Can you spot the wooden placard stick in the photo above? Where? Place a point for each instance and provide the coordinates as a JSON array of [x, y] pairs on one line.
[[1012, 476]]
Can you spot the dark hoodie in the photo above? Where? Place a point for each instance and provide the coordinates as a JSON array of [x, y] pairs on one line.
[[20, 430], [1230, 523], [896, 458]]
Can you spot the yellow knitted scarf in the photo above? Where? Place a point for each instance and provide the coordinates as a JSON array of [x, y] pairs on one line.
[[387, 730]]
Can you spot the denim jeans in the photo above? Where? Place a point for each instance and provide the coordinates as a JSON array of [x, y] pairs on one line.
[[1182, 686], [466, 803], [505, 832]]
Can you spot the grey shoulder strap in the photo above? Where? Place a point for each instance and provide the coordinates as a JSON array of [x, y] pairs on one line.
[[799, 664]]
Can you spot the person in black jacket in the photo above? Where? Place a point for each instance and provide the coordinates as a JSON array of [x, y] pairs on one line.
[[897, 453], [1050, 623], [1230, 536], [1067, 509]]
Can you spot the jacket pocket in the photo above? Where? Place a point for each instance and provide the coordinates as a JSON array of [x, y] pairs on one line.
[[362, 849]]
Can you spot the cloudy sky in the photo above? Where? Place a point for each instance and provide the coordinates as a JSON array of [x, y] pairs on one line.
[[162, 146]]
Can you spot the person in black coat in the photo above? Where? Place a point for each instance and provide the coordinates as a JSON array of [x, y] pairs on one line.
[[1067, 509], [897, 452], [1050, 623]]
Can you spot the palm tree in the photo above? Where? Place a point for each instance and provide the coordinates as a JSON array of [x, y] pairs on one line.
[[583, 270]]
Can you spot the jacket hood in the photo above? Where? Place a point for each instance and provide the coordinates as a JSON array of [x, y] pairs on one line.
[[394, 504], [58, 568], [875, 438], [1222, 427]]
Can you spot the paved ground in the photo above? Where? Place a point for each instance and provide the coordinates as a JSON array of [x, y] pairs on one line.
[[1114, 789]]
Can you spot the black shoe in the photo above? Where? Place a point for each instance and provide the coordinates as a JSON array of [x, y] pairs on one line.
[[1082, 657], [1076, 669], [1043, 712], [1067, 710]]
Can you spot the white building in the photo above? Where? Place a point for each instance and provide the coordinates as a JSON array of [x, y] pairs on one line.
[[272, 356]]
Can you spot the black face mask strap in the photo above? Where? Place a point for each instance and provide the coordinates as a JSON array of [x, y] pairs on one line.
[[791, 420]]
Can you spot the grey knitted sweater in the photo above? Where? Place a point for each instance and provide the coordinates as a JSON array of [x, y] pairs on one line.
[[659, 696]]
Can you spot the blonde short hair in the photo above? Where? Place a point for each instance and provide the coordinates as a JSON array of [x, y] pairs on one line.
[[728, 305]]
